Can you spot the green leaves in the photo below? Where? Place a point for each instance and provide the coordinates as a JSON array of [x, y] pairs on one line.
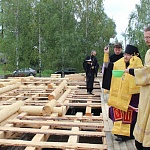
[[65, 31]]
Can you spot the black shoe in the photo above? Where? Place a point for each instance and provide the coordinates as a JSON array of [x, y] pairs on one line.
[[123, 139], [91, 93], [120, 139]]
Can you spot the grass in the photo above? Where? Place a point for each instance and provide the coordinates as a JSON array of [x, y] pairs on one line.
[[44, 73], [3, 71]]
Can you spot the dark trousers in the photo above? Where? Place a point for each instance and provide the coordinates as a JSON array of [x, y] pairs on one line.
[[140, 147], [89, 82]]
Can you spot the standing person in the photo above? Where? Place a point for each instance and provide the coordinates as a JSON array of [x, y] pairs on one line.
[[142, 78], [124, 96], [108, 64], [90, 66]]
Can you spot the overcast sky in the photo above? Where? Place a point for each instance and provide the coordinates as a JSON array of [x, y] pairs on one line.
[[119, 11]]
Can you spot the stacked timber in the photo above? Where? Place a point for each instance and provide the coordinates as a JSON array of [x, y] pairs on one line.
[[52, 112]]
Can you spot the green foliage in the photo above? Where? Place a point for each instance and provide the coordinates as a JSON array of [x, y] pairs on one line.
[[60, 32], [137, 22], [4, 70], [47, 73]]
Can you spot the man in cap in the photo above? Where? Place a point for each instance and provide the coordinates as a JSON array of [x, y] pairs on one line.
[[90, 66], [124, 96], [142, 78], [108, 64]]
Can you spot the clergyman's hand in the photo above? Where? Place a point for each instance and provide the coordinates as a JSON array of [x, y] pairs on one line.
[[126, 71], [106, 50]]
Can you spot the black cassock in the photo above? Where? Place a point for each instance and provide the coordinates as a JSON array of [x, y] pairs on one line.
[[90, 73], [106, 81]]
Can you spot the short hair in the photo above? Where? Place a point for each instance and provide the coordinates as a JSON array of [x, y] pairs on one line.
[[147, 28], [118, 45], [93, 51]]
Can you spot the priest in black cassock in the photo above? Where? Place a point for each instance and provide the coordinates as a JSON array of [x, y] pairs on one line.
[[108, 64], [91, 67]]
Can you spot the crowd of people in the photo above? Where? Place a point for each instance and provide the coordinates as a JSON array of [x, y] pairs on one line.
[[129, 95]]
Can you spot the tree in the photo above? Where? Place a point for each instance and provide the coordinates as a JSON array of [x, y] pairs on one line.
[[137, 21], [53, 34]]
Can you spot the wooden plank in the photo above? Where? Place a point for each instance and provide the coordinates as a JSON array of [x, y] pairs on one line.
[[58, 123], [83, 99], [123, 146], [52, 131], [10, 110], [109, 141], [130, 145], [82, 104], [40, 137], [75, 138], [133, 142], [53, 144], [116, 143], [88, 111], [65, 117]]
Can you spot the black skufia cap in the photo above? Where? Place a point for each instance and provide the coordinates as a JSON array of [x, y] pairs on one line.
[[132, 50]]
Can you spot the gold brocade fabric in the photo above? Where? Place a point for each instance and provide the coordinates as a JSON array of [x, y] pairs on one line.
[[106, 57], [122, 88], [142, 127], [121, 129]]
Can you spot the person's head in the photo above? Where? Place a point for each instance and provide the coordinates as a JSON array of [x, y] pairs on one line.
[[93, 53], [147, 35], [130, 51], [117, 48]]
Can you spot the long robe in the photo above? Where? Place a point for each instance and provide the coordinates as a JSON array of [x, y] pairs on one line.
[[90, 73], [142, 127], [123, 92], [108, 71]]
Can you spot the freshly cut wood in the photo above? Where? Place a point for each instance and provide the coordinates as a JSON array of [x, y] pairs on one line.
[[64, 96], [43, 87], [76, 77], [58, 91], [85, 146], [9, 88], [3, 123], [52, 131], [9, 82], [58, 79], [41, 137], [48, 108], [3, 106], [10, 110], [23, 79], [51, 86], [36, 110], [61, 124], [88, 111], [60, 110], [66, 117], [73, 87], [40, 111], [75, 138], [2, 133], [55, 75]]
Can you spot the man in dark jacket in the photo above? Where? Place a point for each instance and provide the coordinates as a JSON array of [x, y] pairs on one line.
[[90, 66]]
